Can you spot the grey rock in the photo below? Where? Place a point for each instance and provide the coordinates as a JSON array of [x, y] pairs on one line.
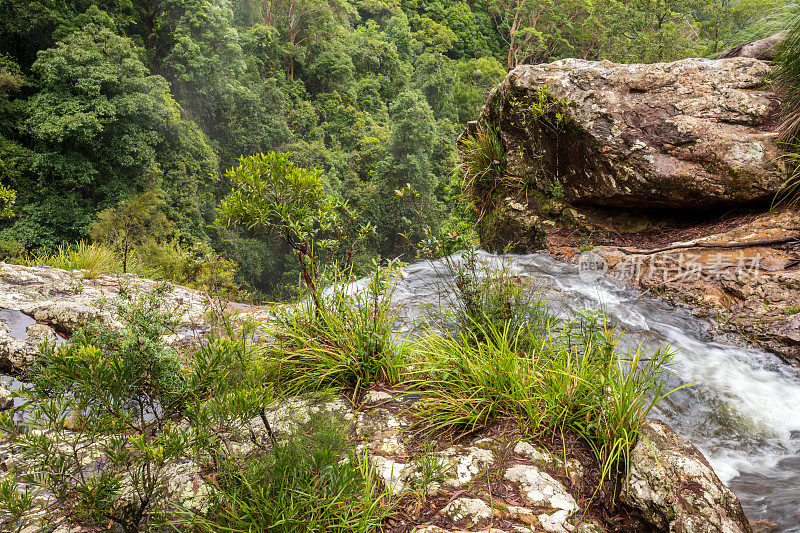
[[468, 512], [675, 489], [689, 134], [763, 49], [6, 397]]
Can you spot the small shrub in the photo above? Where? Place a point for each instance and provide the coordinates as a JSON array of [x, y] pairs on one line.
[[312, 482], [105, 414], [191, 264], [11, 250], [485, 290], [271, 194], [346, 343]]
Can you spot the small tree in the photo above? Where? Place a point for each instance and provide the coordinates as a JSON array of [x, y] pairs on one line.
[[130, 223], [271, 193], [113, 410]]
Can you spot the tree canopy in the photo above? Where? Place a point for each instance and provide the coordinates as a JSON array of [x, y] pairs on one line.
[[102, 101]]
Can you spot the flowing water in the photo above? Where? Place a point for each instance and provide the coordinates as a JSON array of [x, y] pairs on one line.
[[742, 411]]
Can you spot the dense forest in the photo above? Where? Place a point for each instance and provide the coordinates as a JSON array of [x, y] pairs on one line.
[[102, 102]]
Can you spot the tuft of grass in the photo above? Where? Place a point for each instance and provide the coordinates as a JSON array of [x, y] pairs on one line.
[[789, 192], [787, 65], [487, 292], [313, 482], [572, 378], [786, 74], [94, 259], [483, 165], [792, 310], [346, 343]]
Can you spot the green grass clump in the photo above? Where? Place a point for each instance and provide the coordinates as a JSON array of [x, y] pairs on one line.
[[346, 343], [786, 75], [482, 167], [94, 259], [787, 64], [571, 379], [312, 482], [487, 293]]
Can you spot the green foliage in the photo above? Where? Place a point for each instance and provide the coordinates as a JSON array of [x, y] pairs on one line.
[[408, 161], [119, 388], [131, 223], [789, 193], [8, 198], [787, 77], [94, 259], [103, 128], [15, 504], [314, 482], [192, 265], [550, 378], [273, 195], [500, 354], [346, 343], [102, 101], [109, 413], [482, 167]]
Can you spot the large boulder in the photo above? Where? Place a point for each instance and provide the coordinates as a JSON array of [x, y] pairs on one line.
[[690, 134], [764, 49], [674, 487]]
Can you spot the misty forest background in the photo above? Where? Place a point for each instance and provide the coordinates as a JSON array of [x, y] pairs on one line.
[[103, 100]]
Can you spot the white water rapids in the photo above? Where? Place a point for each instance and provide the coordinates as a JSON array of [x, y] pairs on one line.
[[742, 411]]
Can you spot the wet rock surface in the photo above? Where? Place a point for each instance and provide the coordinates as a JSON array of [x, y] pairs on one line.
[[752, 289], [50, 300], [690, 134], [675, 488]]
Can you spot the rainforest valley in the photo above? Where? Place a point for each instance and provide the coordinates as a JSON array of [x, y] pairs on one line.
[[105, 104]]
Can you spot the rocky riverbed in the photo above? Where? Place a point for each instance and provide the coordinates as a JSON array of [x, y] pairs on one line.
[[495, 480]]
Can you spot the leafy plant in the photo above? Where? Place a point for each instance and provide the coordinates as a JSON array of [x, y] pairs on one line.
[[481, 289], [130, 223], [482, 166], [312, 482], [104, 414], [348, 342], [562, 375], [271, 194]]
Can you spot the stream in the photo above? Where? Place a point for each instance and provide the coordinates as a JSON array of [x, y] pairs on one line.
[[742, 411]]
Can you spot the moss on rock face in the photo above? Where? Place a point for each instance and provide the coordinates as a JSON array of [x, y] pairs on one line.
[[511, 227]]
